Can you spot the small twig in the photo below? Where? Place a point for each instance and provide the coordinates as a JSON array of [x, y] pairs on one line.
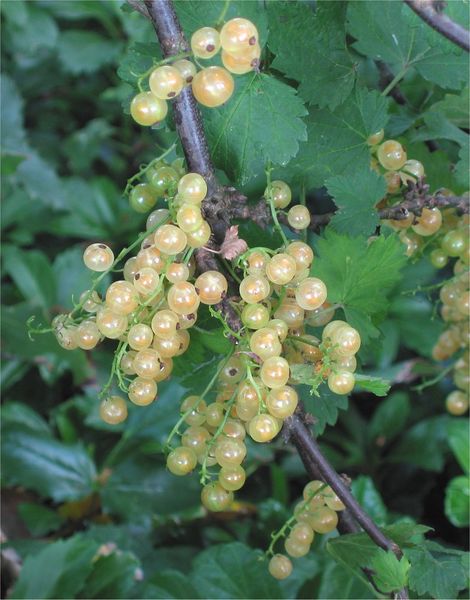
[[415, 206], [139, 7], [427, 10]]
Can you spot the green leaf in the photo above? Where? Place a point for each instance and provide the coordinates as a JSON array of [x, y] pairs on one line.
[[374, 385], [137, 60], [356, 551], [390, 574], [39, 519], [458, 435], [41, 182], [436, 570], [454, 107], [85, 51], [356, 196], [359, 274], [34, 33], [57, 571], [138, 489], [413, 446], [11, 119], [18, 413], [169, 585], [113, 576], [337, 140], [71, 275], [301, 38], [33, 274], [437, 127], [388, 31], [336, 582], [461, 170], [45, 465], [390, 417], [457, 501], [369, 498], [233, 571], [324, 407], [261, 123]]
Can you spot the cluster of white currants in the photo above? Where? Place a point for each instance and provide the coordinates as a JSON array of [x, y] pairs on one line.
[[316, 513], [151, 308], [212, 86]]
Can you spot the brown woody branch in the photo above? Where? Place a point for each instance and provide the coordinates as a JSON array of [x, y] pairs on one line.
[[431, 13], [219, 207]]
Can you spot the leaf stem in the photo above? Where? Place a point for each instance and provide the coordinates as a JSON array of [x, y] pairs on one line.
[[272, 207]]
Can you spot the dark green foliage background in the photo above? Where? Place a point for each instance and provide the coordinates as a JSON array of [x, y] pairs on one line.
[[73, 484]]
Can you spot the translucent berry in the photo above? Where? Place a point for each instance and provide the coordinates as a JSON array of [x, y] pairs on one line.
[[166, 82], [113, 410], [98, 257], [213, 86], [147, 109]]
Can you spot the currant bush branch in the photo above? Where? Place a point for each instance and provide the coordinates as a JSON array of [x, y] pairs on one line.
[[217, 208], [431, 13]]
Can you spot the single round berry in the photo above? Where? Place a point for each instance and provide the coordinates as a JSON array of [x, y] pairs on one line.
[[143, 197], [438, 258], [211, 287], [213, 86], [87, 335], [170, 240], [182, 298], [346, 341], [181, 461], [110, 323], [146, 281], [232, 478], [280, 566], [122, 297], [263, 428], [98, 257], [391, 155], [254, 289], [192, 188], [428, 222], [186, 68], [301, 253], [414, 167], [147, 363], [457, 403], [298, 217], [140, 336], [237, 35], [215, 498], [282, 402], [229, 451], [255, 316], [341, 382], [164, 179], [242, 62], [200, 237], [265, 343], [189, 217], [280, 193], [275, 372], [454, 243], [294, 548], [166, 82], [142, 391], [147, 109], [113, 410], [281, 269], [205, 42], [310, 293]]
